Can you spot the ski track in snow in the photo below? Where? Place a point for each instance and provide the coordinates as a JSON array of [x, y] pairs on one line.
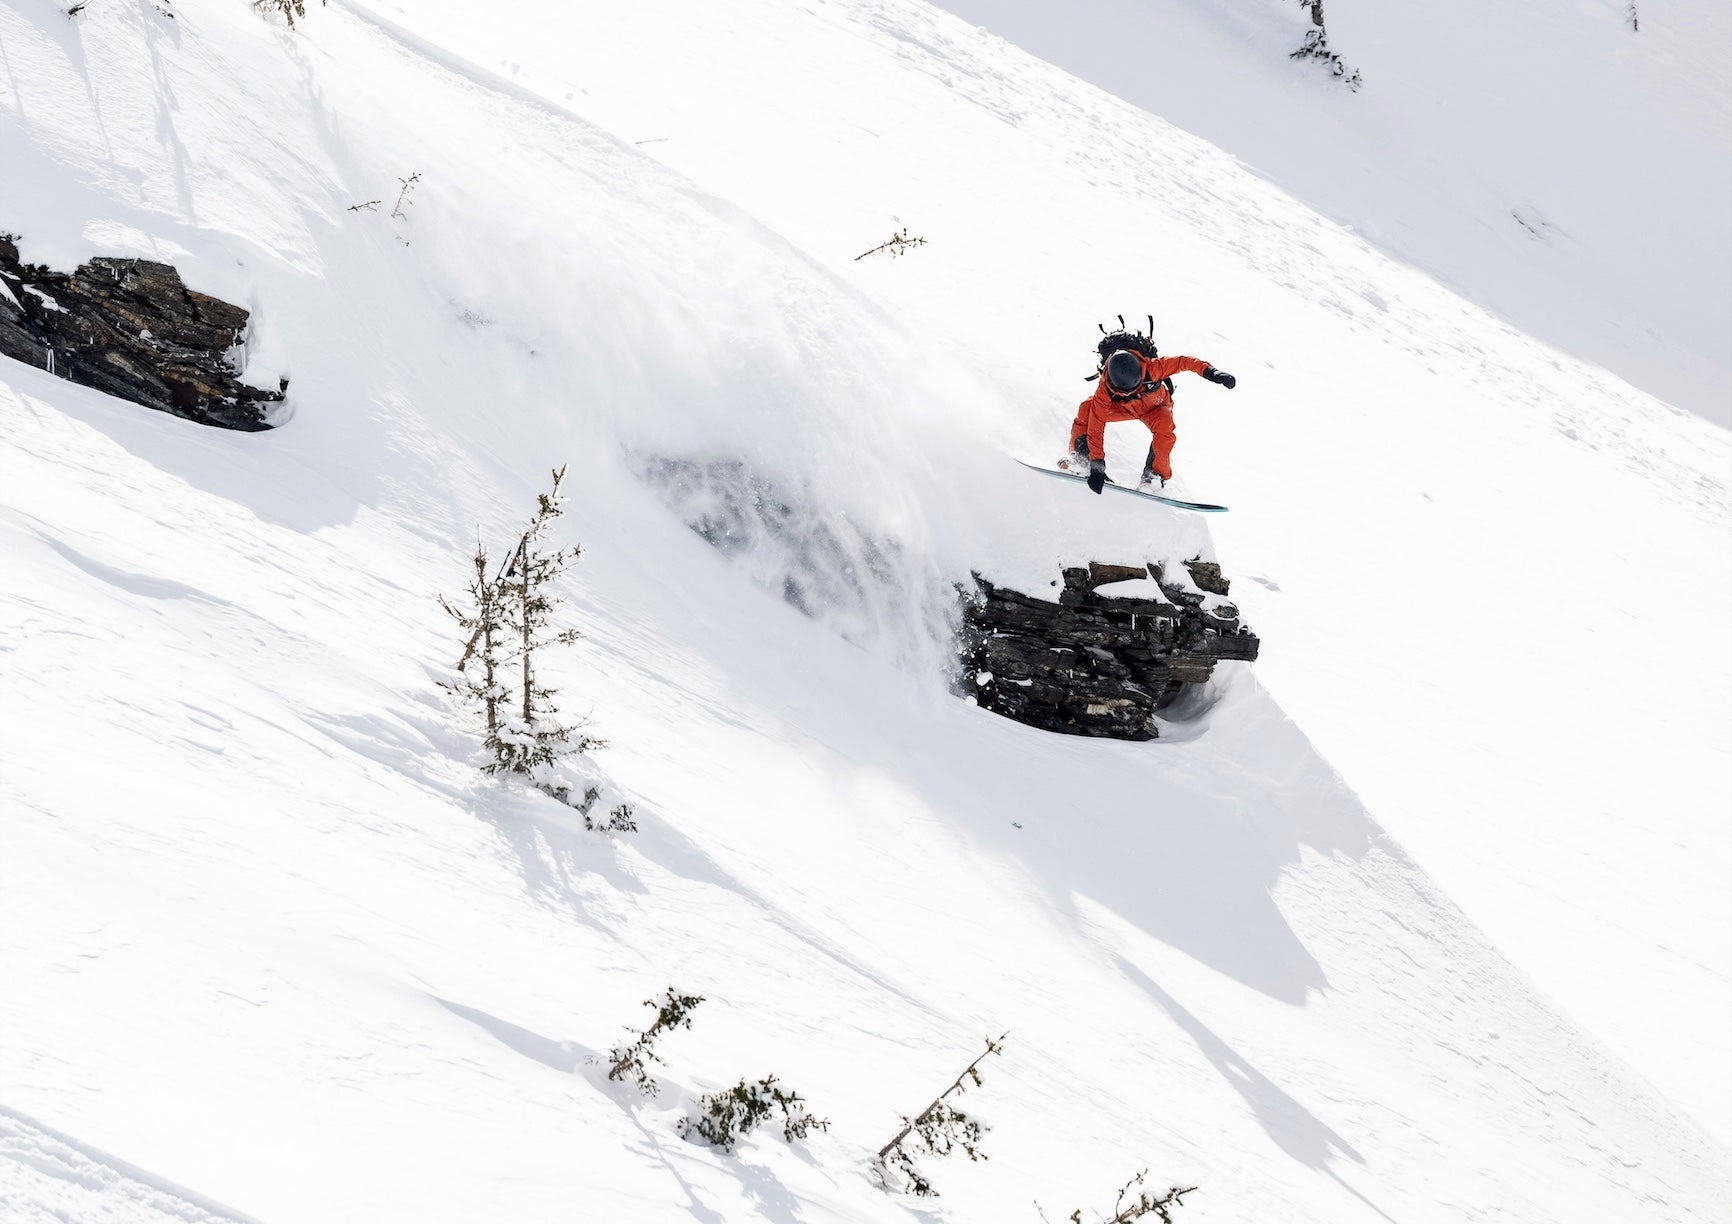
[[46, 1176], [265, 918]]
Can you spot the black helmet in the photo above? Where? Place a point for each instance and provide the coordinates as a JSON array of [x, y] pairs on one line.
[[1124, 371]]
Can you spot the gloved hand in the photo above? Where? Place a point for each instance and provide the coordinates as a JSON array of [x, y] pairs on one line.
[[1097, 474], [1220, 376]]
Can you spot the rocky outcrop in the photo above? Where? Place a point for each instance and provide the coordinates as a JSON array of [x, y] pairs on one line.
[[1097, 661], [130, 328]]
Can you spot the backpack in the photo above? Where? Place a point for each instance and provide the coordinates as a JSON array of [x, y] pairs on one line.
[[1124, 338]]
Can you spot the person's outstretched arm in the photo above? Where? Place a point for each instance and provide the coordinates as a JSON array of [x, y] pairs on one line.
[[1166, 367]]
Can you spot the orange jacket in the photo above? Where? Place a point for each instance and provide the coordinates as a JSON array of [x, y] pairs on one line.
[[1153, 407]]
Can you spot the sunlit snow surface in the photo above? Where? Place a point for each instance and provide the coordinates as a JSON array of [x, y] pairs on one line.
[[1551, 163], [1426, 918]]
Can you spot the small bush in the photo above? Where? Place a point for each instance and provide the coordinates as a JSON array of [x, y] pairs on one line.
[[631, 1061], [619, 819], [1124, 1213], [1316, 47], [937, 1130], [723, 1117]]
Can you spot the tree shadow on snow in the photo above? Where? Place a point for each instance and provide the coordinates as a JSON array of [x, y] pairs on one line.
[[1184, 840], [1293, 1128], [1290, 1126], [563, 1056], [572, 870], [663, 843]]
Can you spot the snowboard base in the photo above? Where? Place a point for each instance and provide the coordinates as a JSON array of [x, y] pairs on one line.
[[1113, 487]]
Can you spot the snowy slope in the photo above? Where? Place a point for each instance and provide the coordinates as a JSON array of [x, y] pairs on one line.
[[1401, 399], [53, 1178], [274, 940], [1554, 165]]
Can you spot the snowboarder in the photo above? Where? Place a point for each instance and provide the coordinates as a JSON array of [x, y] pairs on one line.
[[1135, 385]]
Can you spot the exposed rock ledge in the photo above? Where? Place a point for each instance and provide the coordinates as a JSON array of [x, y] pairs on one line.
[[1100, 662], [130, 328]]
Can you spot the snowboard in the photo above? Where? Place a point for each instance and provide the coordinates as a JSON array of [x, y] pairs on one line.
[[1111, 487]]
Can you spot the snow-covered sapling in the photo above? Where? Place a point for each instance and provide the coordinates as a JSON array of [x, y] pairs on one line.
[[509, 619], [899, 244], [937, 1130], [1125, 1212], [405, 186], [533, 737], [1316, 46], [290, 9], [723, 1117], [619, 819], [484, 617], [631, 1061]]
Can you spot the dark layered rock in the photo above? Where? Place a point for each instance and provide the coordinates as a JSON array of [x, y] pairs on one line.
[[1096, 663], [131, 328]]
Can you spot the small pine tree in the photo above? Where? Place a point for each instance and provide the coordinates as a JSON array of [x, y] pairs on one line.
[[631, 1061], [398, 211], [509, 618], [723, 1117], [484, 618], [940, 1128], [533, 737]]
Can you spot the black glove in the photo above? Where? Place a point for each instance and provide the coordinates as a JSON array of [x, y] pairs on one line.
[[1097, 474], [1220, 376]]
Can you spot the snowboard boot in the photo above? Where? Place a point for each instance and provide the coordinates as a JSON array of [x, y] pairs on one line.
[[1151, 482], [1077, 462]]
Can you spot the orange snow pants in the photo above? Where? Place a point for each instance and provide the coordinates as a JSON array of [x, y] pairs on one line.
[[1158, 417]]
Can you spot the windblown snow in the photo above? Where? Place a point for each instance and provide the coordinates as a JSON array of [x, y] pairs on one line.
[[1425, 917]]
